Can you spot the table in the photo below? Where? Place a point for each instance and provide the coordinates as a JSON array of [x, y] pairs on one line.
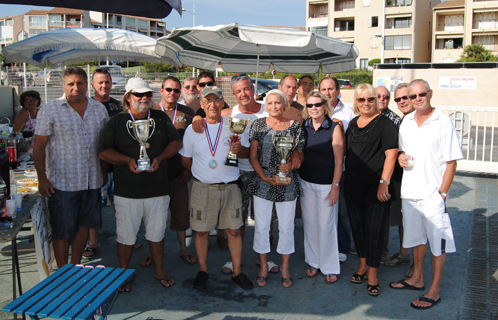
[[73, 292]]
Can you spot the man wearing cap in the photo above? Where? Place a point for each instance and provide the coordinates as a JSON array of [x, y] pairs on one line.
[[69, 172], [216, 196], [190, 92], [140, 194]]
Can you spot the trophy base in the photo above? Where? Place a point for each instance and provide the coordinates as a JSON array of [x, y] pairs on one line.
[[232, 162], [282, 180], [144, 165]]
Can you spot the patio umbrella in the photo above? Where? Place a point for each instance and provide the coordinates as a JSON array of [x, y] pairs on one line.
[[79, 44], [144, 8], [254, 49]]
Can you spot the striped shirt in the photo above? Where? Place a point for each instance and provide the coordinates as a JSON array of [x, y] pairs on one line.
[[71, 162]]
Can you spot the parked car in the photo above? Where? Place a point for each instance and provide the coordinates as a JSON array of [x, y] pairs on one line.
[[344, 83], [118, 78], [53, 78], [270, 83]]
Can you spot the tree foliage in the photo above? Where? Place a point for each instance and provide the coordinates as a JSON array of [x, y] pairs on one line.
[[159, 67], [373, 61], [476, 53]]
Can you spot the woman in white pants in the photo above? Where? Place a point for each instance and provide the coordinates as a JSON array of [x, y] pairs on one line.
[[320, 175], [267, 190]]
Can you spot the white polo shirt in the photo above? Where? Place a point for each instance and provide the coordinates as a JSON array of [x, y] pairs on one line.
[[343, 113], [196, 146], [431, 145]]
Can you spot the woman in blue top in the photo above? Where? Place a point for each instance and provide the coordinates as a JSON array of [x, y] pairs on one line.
[[320, 174]]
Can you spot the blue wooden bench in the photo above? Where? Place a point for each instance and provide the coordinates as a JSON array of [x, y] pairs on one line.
[[73, 292]]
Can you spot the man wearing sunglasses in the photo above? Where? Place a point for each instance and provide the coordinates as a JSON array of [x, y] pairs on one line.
[[190, 92], [140, 194], [384, 96], [429, 149], [206, 79]]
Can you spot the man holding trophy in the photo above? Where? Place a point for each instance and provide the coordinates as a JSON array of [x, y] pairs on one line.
[[216, 196], [138, 142]]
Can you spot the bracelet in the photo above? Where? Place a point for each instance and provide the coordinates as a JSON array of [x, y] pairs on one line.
[[385, 181], [444, 194], [335, 184]]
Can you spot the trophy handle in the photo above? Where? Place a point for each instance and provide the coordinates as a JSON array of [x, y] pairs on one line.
[[129, 125], [153, 125]]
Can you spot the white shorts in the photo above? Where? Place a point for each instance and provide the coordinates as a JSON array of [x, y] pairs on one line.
[[427, 219], [129, 214]]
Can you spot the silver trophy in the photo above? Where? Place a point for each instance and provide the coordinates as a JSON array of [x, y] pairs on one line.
[[236, 126], [142, 133], [284, 147]]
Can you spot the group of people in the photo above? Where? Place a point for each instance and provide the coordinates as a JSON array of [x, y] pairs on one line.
[[350, 173]]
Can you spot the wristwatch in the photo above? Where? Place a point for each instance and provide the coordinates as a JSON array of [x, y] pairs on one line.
[[444, 194], [385, 181]]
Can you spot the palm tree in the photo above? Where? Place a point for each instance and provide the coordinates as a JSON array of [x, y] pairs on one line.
[[476, 53]]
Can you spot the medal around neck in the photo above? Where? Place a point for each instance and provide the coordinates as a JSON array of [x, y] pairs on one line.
[[236, 126], [284, 147], [142, 132]]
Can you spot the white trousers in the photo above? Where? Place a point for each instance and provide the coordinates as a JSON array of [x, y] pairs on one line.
[[321, 248], [286, 211]]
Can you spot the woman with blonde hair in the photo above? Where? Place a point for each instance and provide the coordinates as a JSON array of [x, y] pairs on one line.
[[371, 151]]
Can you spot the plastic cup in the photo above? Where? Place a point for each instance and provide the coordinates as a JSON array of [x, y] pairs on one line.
[[409, 160], [18, 198], [11, 208], [24, 165]]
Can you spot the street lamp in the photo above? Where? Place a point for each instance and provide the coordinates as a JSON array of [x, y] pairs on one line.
[[193, 14]]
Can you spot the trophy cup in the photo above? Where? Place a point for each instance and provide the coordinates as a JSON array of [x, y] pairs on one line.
[[236, 126], [284, 147], [142, 133]]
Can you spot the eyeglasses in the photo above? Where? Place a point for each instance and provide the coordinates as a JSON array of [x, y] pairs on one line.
[[171, 89], [385, 96], [362, 100], [207, 102], [399, 99], [318, 105], [190, 87], [203, 84], [421, 95], [141, 94], [30, 100]]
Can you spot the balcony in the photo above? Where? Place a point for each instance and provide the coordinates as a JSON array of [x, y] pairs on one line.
[[398, 3], [485, 24], [344, 25], [56, 23], [342, 5], [318, 11], [445, 26], [73, 24]]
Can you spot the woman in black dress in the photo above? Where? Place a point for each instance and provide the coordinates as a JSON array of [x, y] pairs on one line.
[[371, 151]]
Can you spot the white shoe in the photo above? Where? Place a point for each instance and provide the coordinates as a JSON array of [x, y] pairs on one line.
[[343, 257], [188, 232], [213, 232]]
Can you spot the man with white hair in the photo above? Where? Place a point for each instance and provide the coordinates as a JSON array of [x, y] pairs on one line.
[[190, 92], [140, 194]]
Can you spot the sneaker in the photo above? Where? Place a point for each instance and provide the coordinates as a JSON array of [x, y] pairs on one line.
[[397, 259], [213, 232], [343, 257], [353, 250], [200, 280]]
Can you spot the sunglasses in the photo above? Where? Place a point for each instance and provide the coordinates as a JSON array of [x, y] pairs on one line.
[[208, 102], [318, 105], [141, 94], [421, 95], [188, 87], [362, 100], [30, 100], [171, 89], [203, 84], [399, 99], [386, 97]]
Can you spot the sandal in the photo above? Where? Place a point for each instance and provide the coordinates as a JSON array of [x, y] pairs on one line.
[[312, 272], [359, 278], [90, 252], [229, 266], [287, 282], [137, 246], [146, 262], [330, 278], [261, 281], [373, 290], [272, 267]]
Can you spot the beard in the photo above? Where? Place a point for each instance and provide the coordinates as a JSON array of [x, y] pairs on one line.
[[191, 96], [141, 106]]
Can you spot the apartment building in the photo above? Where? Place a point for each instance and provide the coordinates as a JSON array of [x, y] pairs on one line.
[[407, 27], [11, 29], [458, 23], [154, 28]]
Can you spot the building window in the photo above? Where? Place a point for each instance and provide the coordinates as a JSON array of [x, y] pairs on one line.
[[374, 21], [130, 22], [318, 10], [319, 30], [397, 60], [363, 64], [485, 20], [142, 24], [55, 19], [34, 32], [454, 43], [488, 42], [373, 42], [399, 23], [398, 42], [397, 3], [344, 25], [366, 3], [344, 5], [37, 21]]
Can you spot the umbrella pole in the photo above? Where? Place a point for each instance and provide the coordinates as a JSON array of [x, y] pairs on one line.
[[257, 71], [24, 69], [88, 73], [45, 80]]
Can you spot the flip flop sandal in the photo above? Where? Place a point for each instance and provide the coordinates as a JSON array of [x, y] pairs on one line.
[[146, 262], [137, 246], [227, 265], [406, 286], [422, 298], [312, 272], [189, 259], [90, 252], [272, 265], [167, 279]]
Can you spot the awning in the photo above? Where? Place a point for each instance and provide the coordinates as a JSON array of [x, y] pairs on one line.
[[317, 23], [404, 15], [449, 36], [486, 10], [485, 34]]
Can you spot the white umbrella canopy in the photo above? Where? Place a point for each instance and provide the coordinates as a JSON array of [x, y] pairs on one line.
[[71, 45], [254, 49]]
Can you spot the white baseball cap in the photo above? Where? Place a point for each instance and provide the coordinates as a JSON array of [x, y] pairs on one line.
[[138, 85]]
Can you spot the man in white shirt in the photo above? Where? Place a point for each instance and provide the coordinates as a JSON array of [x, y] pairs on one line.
[[216, 197], [330, 88], [190, 92], [429, 148]]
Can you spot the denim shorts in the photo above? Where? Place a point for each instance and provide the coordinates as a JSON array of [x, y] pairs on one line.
[[71, 209]]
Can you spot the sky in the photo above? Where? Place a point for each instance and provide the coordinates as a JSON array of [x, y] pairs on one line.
[[290, 13]]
